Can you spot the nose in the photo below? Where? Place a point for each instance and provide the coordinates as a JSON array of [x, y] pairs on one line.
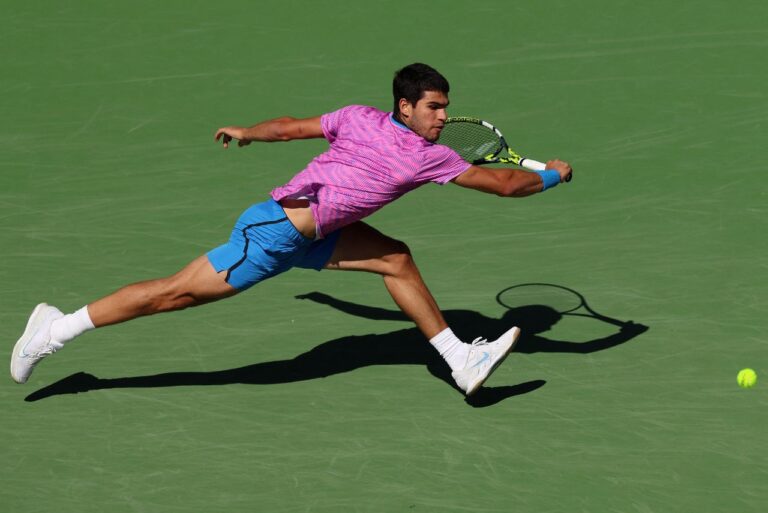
[[442, 115]]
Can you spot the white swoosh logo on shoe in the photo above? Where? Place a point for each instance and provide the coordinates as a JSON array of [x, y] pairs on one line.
[[22, 352]]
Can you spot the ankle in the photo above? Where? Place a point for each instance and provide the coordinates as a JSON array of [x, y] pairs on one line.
[[70, 326], [451, 348]]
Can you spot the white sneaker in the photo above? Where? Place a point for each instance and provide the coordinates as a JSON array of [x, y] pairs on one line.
[[35, 344], [483, 359]]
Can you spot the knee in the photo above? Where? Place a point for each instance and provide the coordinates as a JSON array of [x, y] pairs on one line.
[[399, 261]]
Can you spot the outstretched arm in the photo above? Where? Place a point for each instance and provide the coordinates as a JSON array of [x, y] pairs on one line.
[[273, 130], [507, 181]]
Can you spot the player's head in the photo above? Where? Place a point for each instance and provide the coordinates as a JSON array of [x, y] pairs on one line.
[[420, 93]]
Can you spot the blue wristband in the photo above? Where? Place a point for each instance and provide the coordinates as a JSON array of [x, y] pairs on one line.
[[550, 177]]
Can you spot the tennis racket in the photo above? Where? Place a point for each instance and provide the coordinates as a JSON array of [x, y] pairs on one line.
[[566, 301], [479, 142]]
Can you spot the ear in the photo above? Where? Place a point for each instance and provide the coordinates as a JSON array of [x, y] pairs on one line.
[[406, 109]]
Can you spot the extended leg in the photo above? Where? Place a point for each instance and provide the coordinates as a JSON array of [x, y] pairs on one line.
[[198, 283], [48, 329], [363, 248]]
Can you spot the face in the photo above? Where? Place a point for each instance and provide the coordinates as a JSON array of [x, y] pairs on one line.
[[428, 116]]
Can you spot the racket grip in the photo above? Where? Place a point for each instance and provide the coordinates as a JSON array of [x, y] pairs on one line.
[[533, 165]]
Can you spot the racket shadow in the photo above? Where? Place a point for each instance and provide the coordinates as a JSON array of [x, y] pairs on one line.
[[533, 320], [346, 354]]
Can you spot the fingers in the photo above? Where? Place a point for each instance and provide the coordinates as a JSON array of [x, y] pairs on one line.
[[222, 134], [228, 133], [562, 167], [558, 164], [569, 174]]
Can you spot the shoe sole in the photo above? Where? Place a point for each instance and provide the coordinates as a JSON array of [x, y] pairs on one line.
[[477, 384], [33, 324]]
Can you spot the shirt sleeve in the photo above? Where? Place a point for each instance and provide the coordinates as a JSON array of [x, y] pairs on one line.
[[332, 122], [441, 165]]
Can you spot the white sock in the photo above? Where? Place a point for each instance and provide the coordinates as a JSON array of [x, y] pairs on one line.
[[71, 325], [453, 350]]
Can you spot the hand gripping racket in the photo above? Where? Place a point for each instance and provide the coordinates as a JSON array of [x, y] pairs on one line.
[[479, 142]]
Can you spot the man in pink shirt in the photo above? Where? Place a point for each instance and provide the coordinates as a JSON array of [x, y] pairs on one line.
[[315, 221]]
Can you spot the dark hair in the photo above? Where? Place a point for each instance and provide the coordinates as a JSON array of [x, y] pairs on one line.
[[413, 80]]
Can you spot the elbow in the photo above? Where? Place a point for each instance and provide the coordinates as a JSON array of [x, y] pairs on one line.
[[282, 129]]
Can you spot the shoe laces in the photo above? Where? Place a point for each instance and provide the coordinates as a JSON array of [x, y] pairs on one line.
[[47, 349], [480, 341]]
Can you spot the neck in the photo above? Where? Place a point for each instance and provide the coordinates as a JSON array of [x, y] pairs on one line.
[[397, 119]]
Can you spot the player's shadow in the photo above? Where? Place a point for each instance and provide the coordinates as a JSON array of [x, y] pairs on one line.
[[406, 346]]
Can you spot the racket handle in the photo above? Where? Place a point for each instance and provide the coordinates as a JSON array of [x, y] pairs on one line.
[[535, 165]]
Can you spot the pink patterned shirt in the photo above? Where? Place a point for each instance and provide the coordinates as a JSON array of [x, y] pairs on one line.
[[372, 161]]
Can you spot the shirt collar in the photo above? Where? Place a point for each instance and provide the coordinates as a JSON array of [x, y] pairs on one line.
[[410, 133], [397, 123]]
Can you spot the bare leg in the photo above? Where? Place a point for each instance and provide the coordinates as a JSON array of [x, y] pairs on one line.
[[196, 284], [363, 248]]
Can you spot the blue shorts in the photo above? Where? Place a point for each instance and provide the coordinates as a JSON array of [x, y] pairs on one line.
[[264, 243]]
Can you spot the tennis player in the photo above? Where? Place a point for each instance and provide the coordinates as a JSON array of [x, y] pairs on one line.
[[314, 222]]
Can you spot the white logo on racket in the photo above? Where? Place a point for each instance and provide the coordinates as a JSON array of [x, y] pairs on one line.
[[483, 148]]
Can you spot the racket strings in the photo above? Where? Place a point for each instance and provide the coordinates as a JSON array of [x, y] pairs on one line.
[[471, 141], [559, 299]]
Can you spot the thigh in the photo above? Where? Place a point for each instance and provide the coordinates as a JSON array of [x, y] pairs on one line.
[[363, 248], [200, 280]]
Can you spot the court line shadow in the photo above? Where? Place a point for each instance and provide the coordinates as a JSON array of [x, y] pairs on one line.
[[401, 347]]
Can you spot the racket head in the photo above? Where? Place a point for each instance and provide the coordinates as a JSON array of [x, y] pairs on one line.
[[560, 299], [476, 141]]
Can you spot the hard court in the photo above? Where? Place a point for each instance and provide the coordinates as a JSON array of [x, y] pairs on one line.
[[309, 393]]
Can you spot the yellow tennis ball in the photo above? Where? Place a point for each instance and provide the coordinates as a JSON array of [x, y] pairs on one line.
[[746, 378]]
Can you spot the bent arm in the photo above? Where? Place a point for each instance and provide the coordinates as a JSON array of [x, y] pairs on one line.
[[507, 181], [279, 129]]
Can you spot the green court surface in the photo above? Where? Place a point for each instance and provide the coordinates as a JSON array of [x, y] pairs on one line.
[[329, 403]]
